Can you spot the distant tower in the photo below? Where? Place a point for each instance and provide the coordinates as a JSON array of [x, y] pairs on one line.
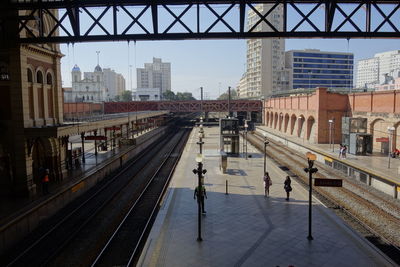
[[76, 74]]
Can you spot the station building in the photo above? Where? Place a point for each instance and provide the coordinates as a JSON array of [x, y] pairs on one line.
[[307, 116]]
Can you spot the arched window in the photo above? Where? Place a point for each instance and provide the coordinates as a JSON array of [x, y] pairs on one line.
[[49, 79], [39, 77], [30, 76]]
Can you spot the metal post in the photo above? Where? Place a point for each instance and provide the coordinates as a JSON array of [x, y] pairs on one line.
[[310, 164], [201, 104], [390, 131], [226, 187], [333, 135], [229, 101], [246, 143], [330, 133], [265, 157], [199, 174], [83, 147], [95, 143], [310, 159]]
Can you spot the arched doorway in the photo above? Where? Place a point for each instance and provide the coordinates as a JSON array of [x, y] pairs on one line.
[[311, 129]]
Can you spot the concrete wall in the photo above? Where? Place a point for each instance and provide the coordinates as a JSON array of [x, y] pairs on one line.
[[73, 110], [22, 225]]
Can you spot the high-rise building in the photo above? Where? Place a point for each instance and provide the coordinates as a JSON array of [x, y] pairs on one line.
[[373, 71], [155, 75], [265, 57], [313, 68]]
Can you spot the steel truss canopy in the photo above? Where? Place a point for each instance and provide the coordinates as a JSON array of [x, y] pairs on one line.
[[105, 20]]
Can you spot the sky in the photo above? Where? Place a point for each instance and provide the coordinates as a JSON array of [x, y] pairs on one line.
[[211, 64]]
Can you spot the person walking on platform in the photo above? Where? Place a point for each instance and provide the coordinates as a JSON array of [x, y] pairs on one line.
[[344, 151], [45, 182], [200, 193], [267, 184], [287, 186], [340, 151]]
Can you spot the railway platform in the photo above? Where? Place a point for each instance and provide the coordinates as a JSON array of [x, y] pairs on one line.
[[11, 207], [241, 226], [386, 175]]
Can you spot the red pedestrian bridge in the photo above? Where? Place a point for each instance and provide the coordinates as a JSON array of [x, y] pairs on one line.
[[184, 106]]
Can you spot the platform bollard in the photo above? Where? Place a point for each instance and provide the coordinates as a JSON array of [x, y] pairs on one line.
[[226, 187]]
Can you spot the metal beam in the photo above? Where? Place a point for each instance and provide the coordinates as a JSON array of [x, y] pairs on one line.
[[305, 16]]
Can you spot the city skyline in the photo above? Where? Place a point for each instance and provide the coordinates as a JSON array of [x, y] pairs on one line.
[[211, 64]]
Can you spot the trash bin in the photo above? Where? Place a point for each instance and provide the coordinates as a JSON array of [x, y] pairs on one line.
[[224, 162]]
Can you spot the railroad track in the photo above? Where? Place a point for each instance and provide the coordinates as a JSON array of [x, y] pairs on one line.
[[75, 234], [372, 215], [130, 233]]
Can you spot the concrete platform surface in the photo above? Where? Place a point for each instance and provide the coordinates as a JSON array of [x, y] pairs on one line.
[[244, 228]]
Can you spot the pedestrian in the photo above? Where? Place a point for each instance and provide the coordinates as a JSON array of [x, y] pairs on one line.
[[340, 150], [287, 186], [267, 183], [200, 193], [344, 151], [45, 182]]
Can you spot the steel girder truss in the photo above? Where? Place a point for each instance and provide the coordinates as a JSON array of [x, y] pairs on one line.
[[101, 20], [184, 106]]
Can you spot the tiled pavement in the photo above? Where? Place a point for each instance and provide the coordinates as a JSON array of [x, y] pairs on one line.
[[244, 228]]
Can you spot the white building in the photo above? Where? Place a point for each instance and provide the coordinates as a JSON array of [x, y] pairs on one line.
[[265, 57], [146, 94], [372, 71], [155, 75], [98, 86]]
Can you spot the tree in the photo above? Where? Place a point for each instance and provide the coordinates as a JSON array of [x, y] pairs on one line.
[[126, 96], [117, 98], [169, 95], [225, 95]]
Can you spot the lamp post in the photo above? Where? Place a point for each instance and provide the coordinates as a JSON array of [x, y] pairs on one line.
[[199, 171], [390, 132], [300, 126], [265, 152], [310, 170], [263, 111], [245, 135], [331, 136]]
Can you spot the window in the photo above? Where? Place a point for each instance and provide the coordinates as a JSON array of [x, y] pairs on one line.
[[49, 79], [30, 78], [39, 77]]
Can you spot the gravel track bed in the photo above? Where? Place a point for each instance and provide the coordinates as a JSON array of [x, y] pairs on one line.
[[377, 210]]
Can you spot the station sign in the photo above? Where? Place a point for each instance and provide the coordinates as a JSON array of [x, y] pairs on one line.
[[382, 139], [328, 182], [115, 128], [95, 137]]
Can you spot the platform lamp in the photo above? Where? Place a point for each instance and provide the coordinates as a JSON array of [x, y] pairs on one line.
[[390, 132], [331, 136], [310, 170], [265, 152], [245, 136], [199, 171]]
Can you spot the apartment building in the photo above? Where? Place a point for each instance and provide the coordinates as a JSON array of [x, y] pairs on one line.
[[155, 75], [372, 72], [265, 57]]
